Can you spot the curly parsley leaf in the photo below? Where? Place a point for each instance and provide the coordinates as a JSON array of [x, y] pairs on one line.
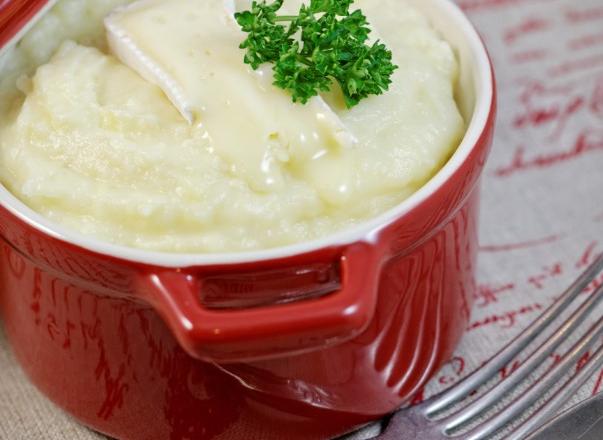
[[322, 44]]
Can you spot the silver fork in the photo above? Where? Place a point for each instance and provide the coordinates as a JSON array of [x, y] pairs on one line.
[[422, 422]]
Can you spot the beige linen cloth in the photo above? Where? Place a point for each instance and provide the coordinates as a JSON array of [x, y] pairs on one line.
[[542, 210]]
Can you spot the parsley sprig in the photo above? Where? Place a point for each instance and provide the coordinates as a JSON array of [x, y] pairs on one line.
[[324, 43]]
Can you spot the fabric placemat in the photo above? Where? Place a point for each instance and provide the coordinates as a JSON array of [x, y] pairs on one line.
[[542, 207]]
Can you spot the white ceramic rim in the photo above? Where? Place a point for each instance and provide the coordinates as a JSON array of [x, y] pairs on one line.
[[364, 232]]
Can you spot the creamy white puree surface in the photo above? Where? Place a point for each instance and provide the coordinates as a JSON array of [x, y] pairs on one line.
[[87, 142]]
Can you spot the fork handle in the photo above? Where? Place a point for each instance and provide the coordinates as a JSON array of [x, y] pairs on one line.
[[583, 421]]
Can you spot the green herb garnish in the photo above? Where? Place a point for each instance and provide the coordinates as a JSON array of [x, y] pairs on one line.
[[325, 42]]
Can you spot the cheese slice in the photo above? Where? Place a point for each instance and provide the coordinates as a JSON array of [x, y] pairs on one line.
[[190, 48]]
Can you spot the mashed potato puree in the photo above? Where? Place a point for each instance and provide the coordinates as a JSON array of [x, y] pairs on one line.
[[88, 143]]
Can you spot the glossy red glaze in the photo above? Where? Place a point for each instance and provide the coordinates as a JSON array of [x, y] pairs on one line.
[[14, 15], [269, 331], [144, 352]]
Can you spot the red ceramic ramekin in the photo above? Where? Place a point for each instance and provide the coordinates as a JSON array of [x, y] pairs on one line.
[[300, 342]]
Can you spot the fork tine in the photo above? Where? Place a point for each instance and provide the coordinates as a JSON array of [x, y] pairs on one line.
[[493, 366], [550, 408], [538, 389], [493, 396]]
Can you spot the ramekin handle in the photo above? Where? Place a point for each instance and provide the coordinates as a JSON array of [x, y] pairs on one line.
[[226, 336]]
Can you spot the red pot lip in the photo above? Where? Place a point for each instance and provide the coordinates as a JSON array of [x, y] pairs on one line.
[[482, 121], [18, 18]]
